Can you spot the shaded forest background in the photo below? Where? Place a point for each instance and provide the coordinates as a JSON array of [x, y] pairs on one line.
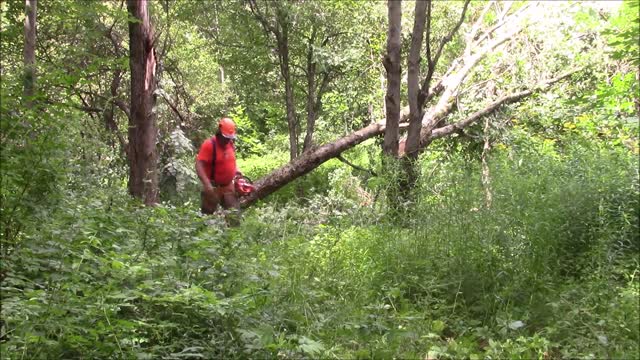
[[434, 179]]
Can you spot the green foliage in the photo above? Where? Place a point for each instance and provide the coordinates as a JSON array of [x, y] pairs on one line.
[[248, 142], [547, 271], [330, 266], [105, 283], [491, 278], [623, 34], [33, 163]]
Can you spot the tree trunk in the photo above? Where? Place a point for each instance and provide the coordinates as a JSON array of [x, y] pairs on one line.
[[30, 50], [311, 88], [281, 32], [283, 50], [309, 161], [394, 73], [142, 156], [413, 90]]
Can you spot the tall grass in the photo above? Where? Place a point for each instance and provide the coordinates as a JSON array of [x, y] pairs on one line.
[[556, 225]]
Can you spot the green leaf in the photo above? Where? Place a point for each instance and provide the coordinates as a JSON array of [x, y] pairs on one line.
[[310, 346]]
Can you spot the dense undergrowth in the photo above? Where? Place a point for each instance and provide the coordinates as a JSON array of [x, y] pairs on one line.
[[549, 270]]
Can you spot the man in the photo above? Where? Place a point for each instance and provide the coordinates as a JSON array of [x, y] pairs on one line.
[[216, 168]]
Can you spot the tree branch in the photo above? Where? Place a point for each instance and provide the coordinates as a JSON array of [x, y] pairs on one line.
[[502, 21], [452, 82], [508, 99], [324, 84], [255, 10], [171, 104], [433, 62], [122, 106], [342, 159]]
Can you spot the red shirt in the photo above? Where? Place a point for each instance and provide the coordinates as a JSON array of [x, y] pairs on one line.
[[224, 169]]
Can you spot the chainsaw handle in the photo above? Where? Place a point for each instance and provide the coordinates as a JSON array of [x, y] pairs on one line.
[[241, 175]]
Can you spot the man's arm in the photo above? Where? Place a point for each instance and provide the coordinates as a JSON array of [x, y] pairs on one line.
[[202, 174]]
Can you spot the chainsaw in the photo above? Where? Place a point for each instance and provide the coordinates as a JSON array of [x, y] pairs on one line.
[[243, 185]]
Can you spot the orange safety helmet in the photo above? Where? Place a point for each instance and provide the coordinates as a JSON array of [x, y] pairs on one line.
[[227, 128]]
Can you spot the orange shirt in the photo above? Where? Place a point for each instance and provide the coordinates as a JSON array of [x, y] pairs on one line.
[[223, 170]]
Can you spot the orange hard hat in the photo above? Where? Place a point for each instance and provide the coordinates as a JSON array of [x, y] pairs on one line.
[[227, 128]]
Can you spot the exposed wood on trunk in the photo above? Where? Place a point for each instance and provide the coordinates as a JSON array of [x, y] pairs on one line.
[[143, 175], [30, 50], [394, 72]]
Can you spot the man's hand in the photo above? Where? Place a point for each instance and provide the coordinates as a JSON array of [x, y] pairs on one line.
[[209, 190]]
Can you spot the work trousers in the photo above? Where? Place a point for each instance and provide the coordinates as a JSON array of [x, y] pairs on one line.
[[224, 195]]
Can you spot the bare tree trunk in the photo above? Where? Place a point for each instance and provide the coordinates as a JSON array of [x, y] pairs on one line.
[[30, 50], [221, 78], [282, 38], [290, 102], [413, 90], [394, 73], [143, 175], [311, 88], [314, 100], [281, 33]]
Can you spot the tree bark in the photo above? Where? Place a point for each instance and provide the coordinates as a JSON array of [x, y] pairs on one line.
[[283, 50], [309, 161], [413, 82], [394, 73], [142, 155], [311, 88], [415, 109], [30, 50]]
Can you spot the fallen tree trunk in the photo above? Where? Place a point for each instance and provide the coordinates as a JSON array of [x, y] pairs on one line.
[[309, 161], [316, 157]]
